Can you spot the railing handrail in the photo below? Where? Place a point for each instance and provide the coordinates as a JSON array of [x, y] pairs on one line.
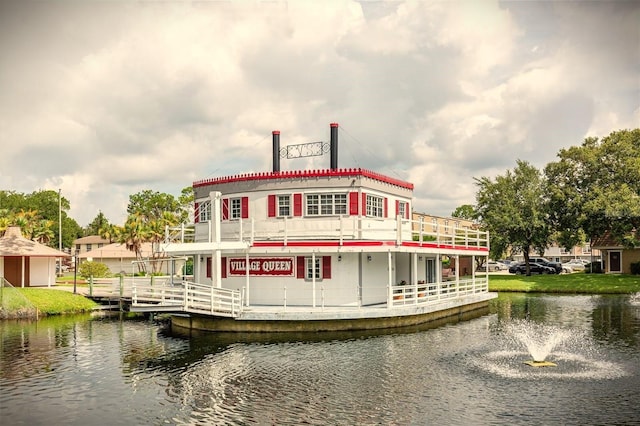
[[352, 228], [188, 297]]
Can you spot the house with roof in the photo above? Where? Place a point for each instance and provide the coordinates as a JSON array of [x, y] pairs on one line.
[[27, 263], [616, 258], [88, 243], [119, 259]]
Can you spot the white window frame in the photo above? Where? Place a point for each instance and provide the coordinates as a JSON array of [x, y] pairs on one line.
[[326, 204], [204, 212], [308, 268], [375, 206], [434, 224], [402, 209], [235, 208], [283, 202]]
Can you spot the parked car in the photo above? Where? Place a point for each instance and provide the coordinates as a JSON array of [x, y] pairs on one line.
[[534, 268], [493, 265], [575, 264], [544, 261]]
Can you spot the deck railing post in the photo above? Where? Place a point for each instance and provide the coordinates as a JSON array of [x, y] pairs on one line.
[[186, 293], [211, 299]]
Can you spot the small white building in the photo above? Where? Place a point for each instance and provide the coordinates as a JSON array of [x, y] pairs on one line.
[[27, 263]]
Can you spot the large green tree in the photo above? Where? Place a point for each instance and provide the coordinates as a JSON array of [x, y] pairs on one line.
[[149, 214], [595, 188], [99, 222], [39, 215], [465, 211], [512, 207]]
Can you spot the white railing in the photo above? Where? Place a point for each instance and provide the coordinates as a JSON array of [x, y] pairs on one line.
[[186, 297], [408, 294], [346, 228], [208, 300]]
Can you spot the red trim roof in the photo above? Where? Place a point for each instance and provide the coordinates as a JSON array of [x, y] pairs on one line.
[[296, 174]]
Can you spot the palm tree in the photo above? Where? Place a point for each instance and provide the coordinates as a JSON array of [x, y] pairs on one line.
[[108, 232], [156, 235], [27, 221], [134, 233], [42, 231], [5, 222]]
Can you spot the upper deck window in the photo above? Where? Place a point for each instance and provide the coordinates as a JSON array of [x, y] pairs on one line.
[[326, 204], [402, 209], [235, 208], [284, 205], [204, 212], [375, 206]]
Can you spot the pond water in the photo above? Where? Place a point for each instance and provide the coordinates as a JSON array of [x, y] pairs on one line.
[[83, 370]]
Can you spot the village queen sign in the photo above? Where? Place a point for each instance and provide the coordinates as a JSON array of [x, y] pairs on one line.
[[271, 266]]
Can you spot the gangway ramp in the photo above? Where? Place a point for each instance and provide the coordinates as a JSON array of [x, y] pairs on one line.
[[186, 297]]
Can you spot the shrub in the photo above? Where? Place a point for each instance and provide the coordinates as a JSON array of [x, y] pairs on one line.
[[93, 269], [635, 268]]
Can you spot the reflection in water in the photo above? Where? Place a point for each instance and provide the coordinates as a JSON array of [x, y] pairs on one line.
[[69, 369]]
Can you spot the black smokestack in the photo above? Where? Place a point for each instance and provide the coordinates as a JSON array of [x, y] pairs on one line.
[[276, 150], [334, 146]]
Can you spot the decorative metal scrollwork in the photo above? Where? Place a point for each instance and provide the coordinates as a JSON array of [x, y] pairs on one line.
[[310, 149]]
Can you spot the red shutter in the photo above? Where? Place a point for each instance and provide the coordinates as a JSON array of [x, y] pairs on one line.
[[244, 207], [196, 214], [326, 267], [208, 260], [353, 203], [225, 209], [385, 208], [223, 273], [297, 204], [364, 204], [397, 207], [271, 206], [300, 266], [406, 211]]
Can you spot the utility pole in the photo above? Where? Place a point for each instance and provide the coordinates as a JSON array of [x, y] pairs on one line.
[[60, 228]]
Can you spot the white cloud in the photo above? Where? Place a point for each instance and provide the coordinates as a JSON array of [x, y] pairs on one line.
[[106, 99]]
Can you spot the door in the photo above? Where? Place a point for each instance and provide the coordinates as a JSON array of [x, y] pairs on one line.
[[615, 261], [13, 270], [431, 270]]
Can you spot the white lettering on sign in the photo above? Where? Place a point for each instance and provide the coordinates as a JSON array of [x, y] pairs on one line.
[[270, 266]]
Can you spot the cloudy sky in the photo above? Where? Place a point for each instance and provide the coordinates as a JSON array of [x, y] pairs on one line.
[[106, 99]]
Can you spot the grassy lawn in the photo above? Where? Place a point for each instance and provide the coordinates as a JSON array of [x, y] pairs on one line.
[[16, 301], [569, 283]]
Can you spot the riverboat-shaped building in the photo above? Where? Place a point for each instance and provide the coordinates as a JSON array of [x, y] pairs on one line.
[[310, 250]]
